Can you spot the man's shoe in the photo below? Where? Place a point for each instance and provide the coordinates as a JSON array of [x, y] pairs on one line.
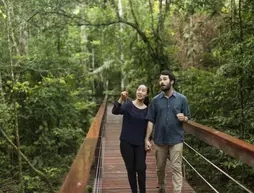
[[162, 190]]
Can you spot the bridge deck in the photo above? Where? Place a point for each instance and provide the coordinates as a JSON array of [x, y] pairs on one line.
[[114, 176]]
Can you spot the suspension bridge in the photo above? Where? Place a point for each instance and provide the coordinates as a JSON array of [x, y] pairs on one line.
[[100, 153]]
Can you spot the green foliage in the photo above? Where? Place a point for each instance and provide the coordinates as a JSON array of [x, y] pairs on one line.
[[89, 189], [207, 97], [4, 113], [214, 101], [61, 56], [51, 92]]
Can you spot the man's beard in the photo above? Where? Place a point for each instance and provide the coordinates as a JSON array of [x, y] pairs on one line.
[[166, 87]]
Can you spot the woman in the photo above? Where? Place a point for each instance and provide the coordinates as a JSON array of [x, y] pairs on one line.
[[133, 134]]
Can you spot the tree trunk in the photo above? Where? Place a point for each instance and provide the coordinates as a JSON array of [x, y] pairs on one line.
[[83, 35], [241, 81], [1, 90], [123, 76], [12, 44]]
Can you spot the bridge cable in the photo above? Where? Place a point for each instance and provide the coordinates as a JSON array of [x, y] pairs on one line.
[[238, 183], [97, 183], [200, 175]]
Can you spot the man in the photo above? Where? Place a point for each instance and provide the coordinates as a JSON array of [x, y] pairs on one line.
[[167, 111]]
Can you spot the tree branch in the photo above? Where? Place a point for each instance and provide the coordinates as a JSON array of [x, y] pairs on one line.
[[39, 173], [133, 13], [141, 34], [79, 22], [152, 19]]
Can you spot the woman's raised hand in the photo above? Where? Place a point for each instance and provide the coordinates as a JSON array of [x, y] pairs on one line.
[[124, 95]]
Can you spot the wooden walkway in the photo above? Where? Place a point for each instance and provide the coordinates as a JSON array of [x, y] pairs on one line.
[[114, 176]]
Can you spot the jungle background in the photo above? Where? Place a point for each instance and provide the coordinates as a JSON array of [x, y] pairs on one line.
[[58, 59]]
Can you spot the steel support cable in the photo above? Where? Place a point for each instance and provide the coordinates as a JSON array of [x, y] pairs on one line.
[[99, 186], [97, 182], [96, 185], [100, 171], [200, 175], [101, 156], [102, 161], [238, 183]]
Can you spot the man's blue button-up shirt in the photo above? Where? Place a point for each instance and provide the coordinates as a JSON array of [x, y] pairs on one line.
[[162, 113]]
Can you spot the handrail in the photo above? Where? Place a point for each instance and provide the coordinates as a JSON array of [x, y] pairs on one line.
[[233, 146], [78, 176]]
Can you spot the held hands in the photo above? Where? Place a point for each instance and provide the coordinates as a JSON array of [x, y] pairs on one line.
[[148, 145], [181, 117]]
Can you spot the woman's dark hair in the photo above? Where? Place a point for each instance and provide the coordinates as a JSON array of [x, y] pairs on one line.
[[146, 99]]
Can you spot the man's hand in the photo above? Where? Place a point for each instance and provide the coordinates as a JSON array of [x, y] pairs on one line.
[[148, 145], [181, 117]]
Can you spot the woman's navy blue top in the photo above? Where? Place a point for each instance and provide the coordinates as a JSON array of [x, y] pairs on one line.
[[134, 124]]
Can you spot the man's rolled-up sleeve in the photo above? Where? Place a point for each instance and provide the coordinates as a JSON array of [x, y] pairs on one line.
[[186, 108], [151, 113]]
